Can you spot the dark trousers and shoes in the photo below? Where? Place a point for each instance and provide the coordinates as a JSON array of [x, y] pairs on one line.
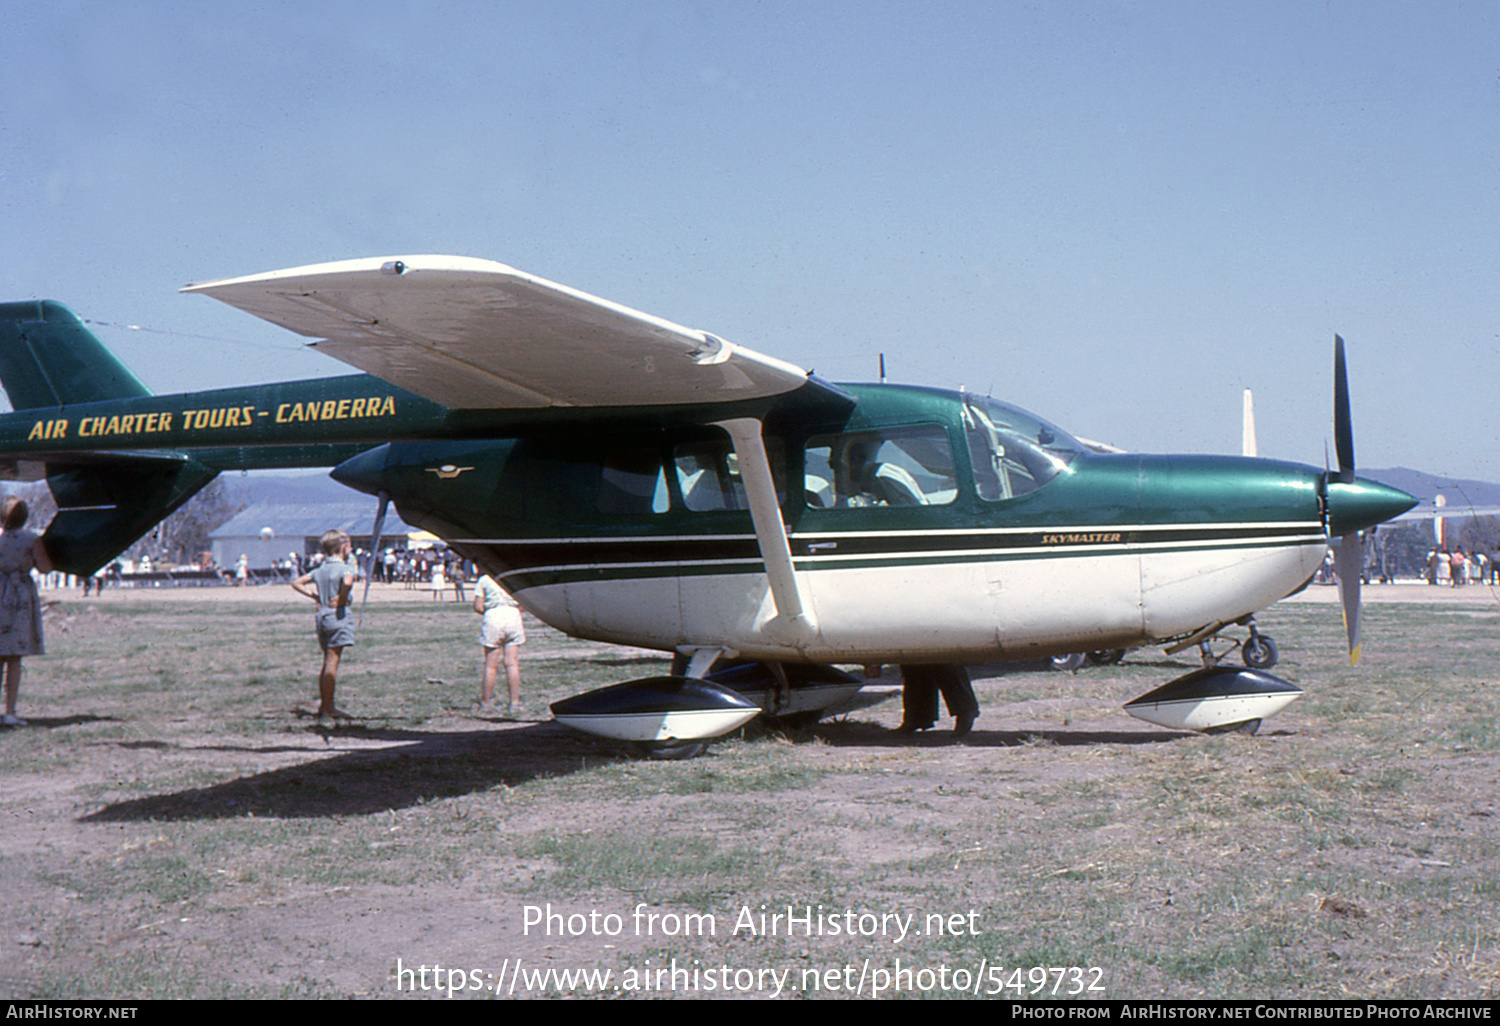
[[921, 686]]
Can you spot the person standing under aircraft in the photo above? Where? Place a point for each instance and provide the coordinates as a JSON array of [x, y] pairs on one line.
[[329, 586], [20, 608], [501, 635], [919, 698]]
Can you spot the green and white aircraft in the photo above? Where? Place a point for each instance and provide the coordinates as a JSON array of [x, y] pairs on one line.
[[632, 480]]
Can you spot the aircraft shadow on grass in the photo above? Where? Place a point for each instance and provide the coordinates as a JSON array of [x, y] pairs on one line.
[[447, 765], [44, 722], [432, 766], [863, 735]]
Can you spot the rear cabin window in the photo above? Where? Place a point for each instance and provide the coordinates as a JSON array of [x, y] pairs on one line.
[[902, 466], [708, 475], [633, 483]]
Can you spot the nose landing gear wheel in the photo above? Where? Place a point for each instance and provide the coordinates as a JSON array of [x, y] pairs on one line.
[[1259, 652]]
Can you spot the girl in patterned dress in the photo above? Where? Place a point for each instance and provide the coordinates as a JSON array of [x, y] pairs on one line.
[[20, 609]]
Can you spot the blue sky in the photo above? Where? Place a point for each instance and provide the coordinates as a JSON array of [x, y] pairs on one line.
[[1119, 215]]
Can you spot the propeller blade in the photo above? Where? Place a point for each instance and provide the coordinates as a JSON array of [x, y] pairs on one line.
[[1349, 564], [385, 500], [1343, 422]]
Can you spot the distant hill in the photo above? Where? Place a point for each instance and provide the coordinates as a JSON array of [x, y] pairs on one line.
[[272, 488], [1424, 486]]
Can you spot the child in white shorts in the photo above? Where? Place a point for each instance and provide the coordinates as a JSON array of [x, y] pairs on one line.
[[501, 635]]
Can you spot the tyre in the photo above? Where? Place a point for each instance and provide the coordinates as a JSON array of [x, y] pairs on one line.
[[672, 751], [1107, 656], [1259, 652], [1072, 662], [1243, 727]]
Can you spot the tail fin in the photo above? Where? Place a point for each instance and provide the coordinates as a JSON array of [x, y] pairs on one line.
[[48, 357], [105, 501]]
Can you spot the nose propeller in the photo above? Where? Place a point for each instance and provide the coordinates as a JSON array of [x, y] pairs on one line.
[[1349, 556], [1343, 421], [1352, 505]]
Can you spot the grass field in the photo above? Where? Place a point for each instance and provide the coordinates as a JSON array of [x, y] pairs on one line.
[[172, 826]]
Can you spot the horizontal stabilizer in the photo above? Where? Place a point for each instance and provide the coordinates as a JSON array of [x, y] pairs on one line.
[[103, 508], [34, 466]]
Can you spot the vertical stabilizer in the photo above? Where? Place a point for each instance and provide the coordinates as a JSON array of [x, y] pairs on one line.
[[48, 357]]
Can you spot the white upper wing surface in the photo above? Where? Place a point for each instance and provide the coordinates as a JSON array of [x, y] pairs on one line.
[[475, 334]]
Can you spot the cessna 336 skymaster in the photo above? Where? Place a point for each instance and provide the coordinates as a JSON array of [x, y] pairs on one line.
[[631, 480]]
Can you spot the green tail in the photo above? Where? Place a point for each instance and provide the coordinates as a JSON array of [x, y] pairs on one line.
[[49, 358]]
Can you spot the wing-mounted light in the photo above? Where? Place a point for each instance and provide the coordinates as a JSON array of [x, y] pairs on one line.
[[715, 351]]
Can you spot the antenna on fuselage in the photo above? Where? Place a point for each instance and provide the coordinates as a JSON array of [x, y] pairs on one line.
[[882, 368]]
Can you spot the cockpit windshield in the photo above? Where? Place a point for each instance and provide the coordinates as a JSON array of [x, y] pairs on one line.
[[1012, 451]]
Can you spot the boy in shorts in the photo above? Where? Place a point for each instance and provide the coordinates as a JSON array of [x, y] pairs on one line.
[[329, 585], [501, 635]]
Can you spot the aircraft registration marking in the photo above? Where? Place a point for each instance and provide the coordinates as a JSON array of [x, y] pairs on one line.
[[160, 421]]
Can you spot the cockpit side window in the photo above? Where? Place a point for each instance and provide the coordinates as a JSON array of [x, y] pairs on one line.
[[633, 483], [898, 466], [1011, 451]]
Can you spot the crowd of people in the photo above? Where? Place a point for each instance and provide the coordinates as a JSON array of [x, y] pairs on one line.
[[1458, 568]]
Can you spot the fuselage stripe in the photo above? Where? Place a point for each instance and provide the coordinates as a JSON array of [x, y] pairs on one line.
[[521, 577], [812, 552], [1300, 526]]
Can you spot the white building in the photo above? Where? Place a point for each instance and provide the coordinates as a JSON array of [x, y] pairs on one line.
[[267, 533]]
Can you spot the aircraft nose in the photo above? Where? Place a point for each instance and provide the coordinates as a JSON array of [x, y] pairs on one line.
[[1358, 504]]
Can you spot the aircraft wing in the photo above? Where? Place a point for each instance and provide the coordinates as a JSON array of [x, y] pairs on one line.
[[474, 334]]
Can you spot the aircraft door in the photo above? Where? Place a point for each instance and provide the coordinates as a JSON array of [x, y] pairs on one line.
[[1064, 574], [619, 569]]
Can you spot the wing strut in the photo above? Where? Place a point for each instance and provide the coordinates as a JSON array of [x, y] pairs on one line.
[[794, 615]]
